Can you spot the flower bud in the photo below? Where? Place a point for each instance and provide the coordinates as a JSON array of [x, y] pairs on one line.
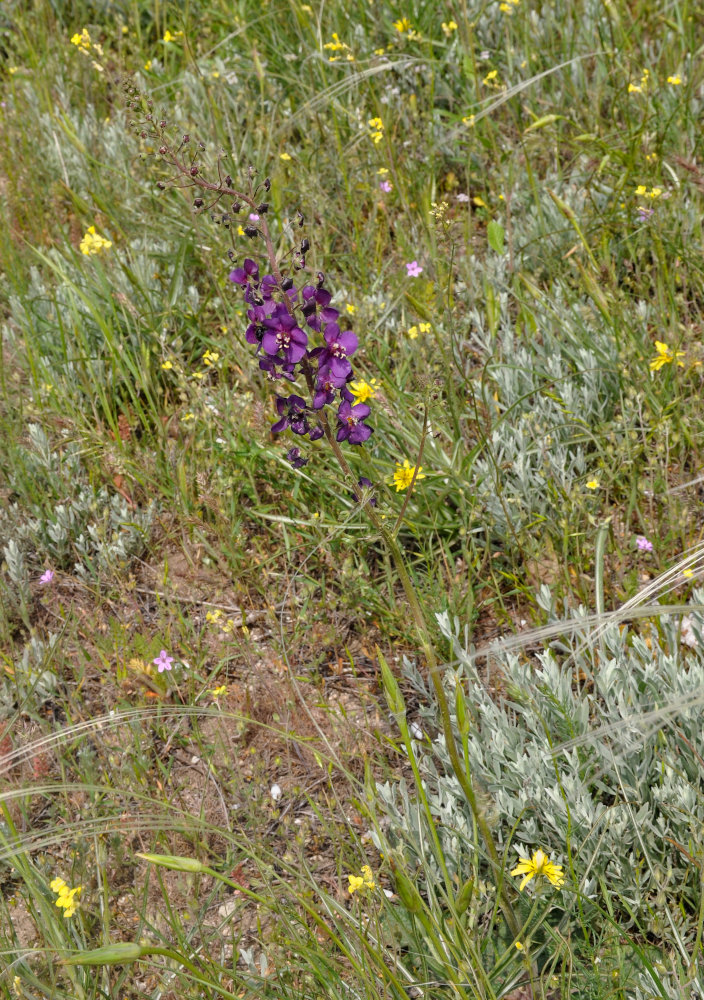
[[251, 231], [162, 123], [163, 150], [263, 208], [161, 185], [194, 171], [228, 181], [236, 207], [287, 283], [267, 184], [186, 139], [197, 202], [301, 218], [305, 246]]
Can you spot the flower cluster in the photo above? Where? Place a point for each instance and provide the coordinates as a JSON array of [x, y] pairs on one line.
[[337, 46], [92, 243], [87, 46], [361, 882], [66, 898], [284, 352]]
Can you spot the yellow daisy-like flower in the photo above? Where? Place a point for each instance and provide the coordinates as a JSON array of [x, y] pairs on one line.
[[403, 24], [403, 476], [362, 391], [539, 865], [593, 484], [665, 356], [92, 243]]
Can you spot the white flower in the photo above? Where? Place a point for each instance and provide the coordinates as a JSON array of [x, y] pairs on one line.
[[276, 792]]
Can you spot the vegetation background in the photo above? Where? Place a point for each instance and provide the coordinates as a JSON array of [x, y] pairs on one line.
[[506, 199]]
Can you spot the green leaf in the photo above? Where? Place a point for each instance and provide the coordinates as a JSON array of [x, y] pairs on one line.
[[111, 954], [175, 862], [495, 235]]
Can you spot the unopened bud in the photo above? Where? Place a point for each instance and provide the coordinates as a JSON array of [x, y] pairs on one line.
[[263, 208], [186, 139], [197, 202], [267, 184], [305, 246], [251, 231], [287, 283], [236, 207], [163, 150], [228, 181], [161, 185], [301, 218], [194, 171], [162, 123]]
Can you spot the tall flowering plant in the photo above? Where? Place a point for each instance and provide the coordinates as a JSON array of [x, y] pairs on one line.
[[298, 338]]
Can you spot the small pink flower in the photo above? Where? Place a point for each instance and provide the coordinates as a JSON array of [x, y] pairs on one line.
[[163, 661], [253, 217], [643, 544], [47, 576], [386, 186], [414, 269]]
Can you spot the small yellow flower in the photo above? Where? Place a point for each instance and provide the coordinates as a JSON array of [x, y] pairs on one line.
[[188, 417], [167, 366], [92, 243], [215, 75], [125, 30], [688, 573], [383, 170], [350, 309], [539, 865], [148, 65], [213, 616], [362, 391], [363, 881], [12, 70], [519, 945], [674, 80], [490, 77], [66, 898], [82, 40], [448, 27], [404, 475], [413, 332], [284, 156], [198, 375], [219, 691], [468, 120], [211, 358], [593, 484], [379, 52], [402, 25], [168, 37], [665, 356], [634, 89], [240, 231]]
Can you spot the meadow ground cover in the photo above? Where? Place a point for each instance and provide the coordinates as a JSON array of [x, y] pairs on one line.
[[350, 499]]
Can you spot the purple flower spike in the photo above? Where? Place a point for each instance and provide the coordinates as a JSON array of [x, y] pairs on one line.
[[163, 661], [282, 335], [643, 544], [326, 387], [351, 423]]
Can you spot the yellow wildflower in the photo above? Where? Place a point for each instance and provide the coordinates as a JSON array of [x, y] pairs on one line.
[[540, 866], [363, 881], [404, 475], [167, 365], [379, 52], [402, 25], [168, 37], [81, 40], [362, 391], [218, 691], [665, 356], [593, 484], [66, 898], [284, 156], [448, 27], [688, 573], [351, 309], [92, 243], [519, 945], [213, 616], [377, 129], [490, 77], [674, 80], [211, 358]]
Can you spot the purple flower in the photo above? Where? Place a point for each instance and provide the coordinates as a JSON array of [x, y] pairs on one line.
[[253, 217], [351, 423], [282, 335], [294, 457], [339, 344], [366, 484], [292, 411], [241, 275], [643, 544], [385, 186], [644, 214], [414, 269], [47, 576], [328, 383], [163, 661]]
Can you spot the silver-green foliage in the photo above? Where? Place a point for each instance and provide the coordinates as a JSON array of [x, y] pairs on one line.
[[594, 754], [68, 522]]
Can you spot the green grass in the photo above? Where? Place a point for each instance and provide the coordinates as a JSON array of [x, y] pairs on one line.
[[515, 143]]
